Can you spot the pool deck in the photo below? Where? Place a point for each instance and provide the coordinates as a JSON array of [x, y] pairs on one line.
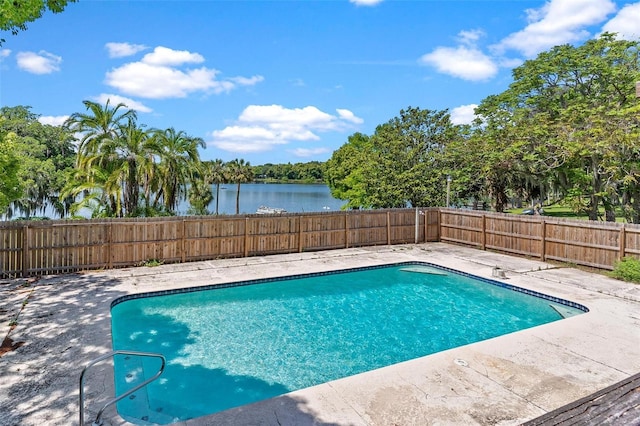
[[63, 322]]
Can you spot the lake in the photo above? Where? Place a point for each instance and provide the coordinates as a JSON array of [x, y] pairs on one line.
[[293, 197]]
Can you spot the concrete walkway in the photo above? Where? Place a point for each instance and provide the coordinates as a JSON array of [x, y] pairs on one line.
[[64, 321]]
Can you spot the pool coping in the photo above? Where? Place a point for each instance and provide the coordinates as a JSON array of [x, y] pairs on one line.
[[184, 290], [505, 380]]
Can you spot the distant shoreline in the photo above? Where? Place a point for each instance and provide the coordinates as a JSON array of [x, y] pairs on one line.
[[297, 181]]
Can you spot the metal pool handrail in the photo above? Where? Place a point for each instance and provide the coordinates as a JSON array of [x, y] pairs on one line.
[[97, 421]]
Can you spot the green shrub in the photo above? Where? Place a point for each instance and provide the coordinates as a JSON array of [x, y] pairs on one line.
[[627, 269], [151, 262]]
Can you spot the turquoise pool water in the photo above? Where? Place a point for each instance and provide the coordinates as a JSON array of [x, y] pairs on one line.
[[230, 346]]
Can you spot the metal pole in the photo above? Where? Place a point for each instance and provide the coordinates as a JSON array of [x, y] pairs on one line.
[[448, 190]]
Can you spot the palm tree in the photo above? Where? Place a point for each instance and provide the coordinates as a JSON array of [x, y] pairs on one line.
[[99, 193], [215, 174], [100, 125], [127, 161], [200, 196], [101, 163], [239, 172], [135, 151], [179, 164]]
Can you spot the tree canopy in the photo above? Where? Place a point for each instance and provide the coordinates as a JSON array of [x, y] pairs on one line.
[[310, 172], [123, 169], [14, 15], [41, 155], [568, 127], [568, 124], [10, 184], [401, 164]]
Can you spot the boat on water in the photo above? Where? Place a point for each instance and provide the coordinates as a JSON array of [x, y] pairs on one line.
[[270, 210]]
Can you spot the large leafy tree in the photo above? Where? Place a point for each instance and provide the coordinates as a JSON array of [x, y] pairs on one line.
[[345, 168], [401, 164], [10, 184], [567, 124], [14, 14], [44, 153]]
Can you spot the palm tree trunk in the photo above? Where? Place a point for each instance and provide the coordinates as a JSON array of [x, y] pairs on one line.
[[238, 200], [217, 197]]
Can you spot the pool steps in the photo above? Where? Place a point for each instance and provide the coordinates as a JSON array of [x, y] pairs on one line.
[[424, 270], [98, 420]]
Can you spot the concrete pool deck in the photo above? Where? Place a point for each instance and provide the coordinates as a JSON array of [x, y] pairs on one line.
[[63, 322]]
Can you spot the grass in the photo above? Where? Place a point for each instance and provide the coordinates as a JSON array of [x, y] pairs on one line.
[[627, 269], [563, 211], [151, 262]]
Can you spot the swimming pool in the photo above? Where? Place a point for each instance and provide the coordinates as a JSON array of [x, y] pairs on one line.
[[233, 344]]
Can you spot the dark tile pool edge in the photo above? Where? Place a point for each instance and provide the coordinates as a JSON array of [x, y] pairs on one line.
[[342, 271]]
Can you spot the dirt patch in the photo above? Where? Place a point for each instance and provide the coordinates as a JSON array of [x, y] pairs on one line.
[[22, 292], [8, 345]]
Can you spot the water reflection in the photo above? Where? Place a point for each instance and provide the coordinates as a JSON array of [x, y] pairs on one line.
[[292, 197]]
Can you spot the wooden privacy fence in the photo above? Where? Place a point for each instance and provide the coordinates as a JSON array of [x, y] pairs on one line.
[[51, 247], [595, 244]]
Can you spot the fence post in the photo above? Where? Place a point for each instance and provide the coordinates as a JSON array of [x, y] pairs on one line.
[[623, 241], [425, 213], [346, 230], [110, 246], [484, 231], [543, 241], [300, 218], [183, 231], [439, 225], [388, 228], [25, 251], [246, 237]]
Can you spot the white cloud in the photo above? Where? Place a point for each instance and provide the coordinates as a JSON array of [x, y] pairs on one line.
[[260, 128], [277, 116], [304, 152], [248, 81], [117, 99], [365, 2], [53, 120], [471, 37], [120, 50], [164, 56], [557, 22], [4, 53], [38, 63], [463, 62], [349, 116], [625, 23], [158, 76], [463, 114]]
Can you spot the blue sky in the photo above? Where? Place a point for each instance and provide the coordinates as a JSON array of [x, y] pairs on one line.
[[287, 81]]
